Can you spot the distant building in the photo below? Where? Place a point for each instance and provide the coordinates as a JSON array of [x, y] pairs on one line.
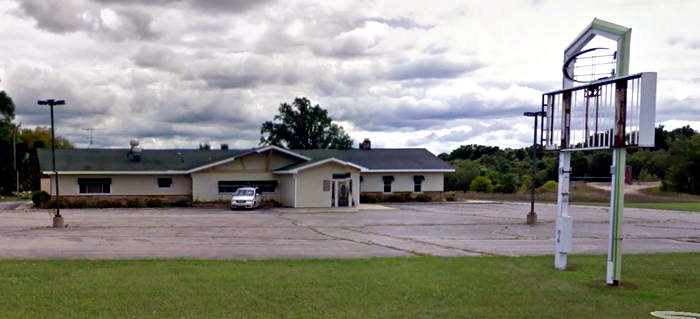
[[295, 178]]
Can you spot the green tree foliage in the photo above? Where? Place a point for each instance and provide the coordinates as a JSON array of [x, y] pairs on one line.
[[470, 152], [25, 142], [481, 184], [684, 171], [509, 169], [465, 172], [302, 126]]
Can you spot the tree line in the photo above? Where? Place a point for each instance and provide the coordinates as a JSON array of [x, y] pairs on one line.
[[18, 147], [675, 161]]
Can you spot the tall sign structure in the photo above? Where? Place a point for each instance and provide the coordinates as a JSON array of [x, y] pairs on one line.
[[609, 109]]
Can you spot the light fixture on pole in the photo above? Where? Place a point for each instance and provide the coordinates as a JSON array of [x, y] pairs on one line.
[[57, 218], [532, 215]]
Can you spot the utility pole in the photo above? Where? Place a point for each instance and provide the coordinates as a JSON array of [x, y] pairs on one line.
[[14, 156], [531, 218], [91, 130], [57, 218]]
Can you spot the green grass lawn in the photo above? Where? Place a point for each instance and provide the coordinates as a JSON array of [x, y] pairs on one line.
[[687, 206], [421, 287]]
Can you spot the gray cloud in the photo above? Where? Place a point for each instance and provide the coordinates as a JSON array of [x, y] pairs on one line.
[[116, 24], [54, 16], [402, 22], [158, 57], [431, 68]]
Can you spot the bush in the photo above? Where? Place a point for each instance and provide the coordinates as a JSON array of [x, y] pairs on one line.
[[103, 203], [481, 184], [395, 198], [270, 203], [645, 176], [549, 187], [40, 198], [134, 203], [369, 199], [506, 184], [78, 203], [423, 198], [154, 202], [181, 203], [52, 204]]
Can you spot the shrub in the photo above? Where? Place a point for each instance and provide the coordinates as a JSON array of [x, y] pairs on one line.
[[103, 203], [134, 203], [78, 203], [450, 198], [423, 198], [270, 203], [549, 187], [154, 202], [369, 199], [645, 176], [481, 184], [40, 198], [395, 198], [52, 204], [181, 203]]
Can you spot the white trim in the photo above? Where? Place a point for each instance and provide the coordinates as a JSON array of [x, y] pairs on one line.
[[203, 167], [117, 173], [281, 150], [296, 190], [328, 160], [428, 170]]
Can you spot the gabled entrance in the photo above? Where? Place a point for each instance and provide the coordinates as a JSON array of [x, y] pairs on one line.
[[341, 194]]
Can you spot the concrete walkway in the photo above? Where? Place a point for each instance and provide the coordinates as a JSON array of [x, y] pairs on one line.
[[440, 229]]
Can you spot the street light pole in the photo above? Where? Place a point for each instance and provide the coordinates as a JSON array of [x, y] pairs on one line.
[[531, 218], [57, 218]]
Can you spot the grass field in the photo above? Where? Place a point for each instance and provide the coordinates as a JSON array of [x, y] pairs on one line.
[[689, 207], [421, 287]]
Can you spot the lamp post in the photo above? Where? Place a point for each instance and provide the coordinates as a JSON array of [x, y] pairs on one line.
[[531, 218], [57, 218]]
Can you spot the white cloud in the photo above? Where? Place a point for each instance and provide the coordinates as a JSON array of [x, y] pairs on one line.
[[176, 73]]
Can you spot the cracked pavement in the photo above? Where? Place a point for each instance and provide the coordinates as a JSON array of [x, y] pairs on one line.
[[433, 229]]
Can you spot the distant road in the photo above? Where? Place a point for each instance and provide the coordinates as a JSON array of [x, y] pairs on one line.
[[629, 189], [14, 204]]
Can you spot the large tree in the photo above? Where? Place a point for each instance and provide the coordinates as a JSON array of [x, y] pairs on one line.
[[7, 114], [302, 126]]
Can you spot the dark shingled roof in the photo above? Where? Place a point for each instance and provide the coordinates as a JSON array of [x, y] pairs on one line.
[[382, 158], [117, 159], [170, 160]]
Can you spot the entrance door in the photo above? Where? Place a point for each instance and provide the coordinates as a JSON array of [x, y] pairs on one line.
[[343, 192]]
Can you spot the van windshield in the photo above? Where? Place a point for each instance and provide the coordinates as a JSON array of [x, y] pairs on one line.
[[245, 192]]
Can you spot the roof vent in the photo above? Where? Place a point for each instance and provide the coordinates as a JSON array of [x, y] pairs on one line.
[[366, 145], [135, 152], [224, 147]]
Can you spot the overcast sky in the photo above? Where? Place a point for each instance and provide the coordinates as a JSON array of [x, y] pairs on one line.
[[433, 74]]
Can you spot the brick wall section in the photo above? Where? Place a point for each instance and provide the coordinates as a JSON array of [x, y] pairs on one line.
[[435, 195], [123, 198]]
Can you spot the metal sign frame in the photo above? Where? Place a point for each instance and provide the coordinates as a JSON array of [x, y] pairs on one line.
[[614, 133]]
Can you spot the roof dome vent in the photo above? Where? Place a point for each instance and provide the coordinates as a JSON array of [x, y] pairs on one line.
[[366, 145], [135, 151]]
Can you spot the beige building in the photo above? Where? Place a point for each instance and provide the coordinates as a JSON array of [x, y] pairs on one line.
[[294, 178]]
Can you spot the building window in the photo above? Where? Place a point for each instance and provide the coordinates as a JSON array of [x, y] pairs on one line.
[[326, 186], [232, 186], [418, 183], [94, 185], [165, 182], [387, 183]]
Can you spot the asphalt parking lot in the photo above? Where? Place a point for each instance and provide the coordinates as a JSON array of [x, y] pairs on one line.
[[438, 229]]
